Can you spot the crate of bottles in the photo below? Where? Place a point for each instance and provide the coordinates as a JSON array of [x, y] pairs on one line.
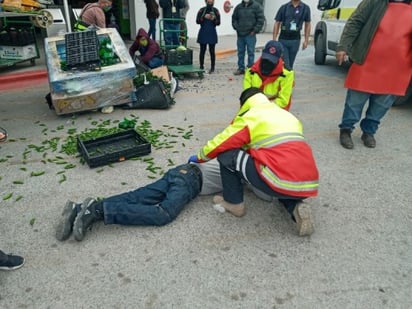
[[179, 57], [82, 50], [81, 90]]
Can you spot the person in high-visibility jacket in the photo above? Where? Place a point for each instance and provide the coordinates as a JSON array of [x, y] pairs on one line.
[[270, 75], [264, 146]]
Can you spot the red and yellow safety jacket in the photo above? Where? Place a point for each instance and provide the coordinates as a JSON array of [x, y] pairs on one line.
[[274, 139], [277, 86]]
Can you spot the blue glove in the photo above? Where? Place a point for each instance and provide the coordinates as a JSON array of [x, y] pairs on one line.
[[193, 159]]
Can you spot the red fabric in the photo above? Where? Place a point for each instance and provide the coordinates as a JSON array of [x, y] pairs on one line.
[[292, 161], [388, 65], [237, 140]]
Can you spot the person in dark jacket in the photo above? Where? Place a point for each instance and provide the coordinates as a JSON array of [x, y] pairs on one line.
[[171, 10], [208, 18], [150, 54], [247, 19], [152, 13]]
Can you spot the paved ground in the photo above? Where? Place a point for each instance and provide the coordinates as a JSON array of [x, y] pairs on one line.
[[359, 257]]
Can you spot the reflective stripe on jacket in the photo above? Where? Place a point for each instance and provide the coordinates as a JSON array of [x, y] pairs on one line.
[[274, 139]]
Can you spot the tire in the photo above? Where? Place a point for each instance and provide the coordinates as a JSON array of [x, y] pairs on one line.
[[320, 49], [405, 99]]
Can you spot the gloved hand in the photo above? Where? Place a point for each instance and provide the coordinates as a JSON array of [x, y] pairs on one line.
[[193, 159]]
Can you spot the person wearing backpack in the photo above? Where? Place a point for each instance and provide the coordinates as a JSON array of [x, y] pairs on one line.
[[93, 14]]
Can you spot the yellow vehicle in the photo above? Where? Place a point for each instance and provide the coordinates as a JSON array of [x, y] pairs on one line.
[[329, 29]]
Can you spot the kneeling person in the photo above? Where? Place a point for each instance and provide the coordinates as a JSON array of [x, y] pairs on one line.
[[150, 53]]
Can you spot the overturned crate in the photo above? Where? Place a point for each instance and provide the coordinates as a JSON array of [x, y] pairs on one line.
[[112, 148]]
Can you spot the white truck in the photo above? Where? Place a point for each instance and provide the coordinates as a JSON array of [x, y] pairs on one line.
[[328, 31]]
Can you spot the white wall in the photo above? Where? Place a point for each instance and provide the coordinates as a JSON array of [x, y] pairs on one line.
[[271, 7]]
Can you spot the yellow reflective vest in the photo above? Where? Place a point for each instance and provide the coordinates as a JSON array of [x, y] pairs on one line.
[[278, 91], [274, 139]]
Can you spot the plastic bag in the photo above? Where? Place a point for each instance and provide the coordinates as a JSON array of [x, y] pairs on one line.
[[152, 95]]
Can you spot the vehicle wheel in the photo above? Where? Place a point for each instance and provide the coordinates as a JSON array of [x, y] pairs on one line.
[[406, 98], [320, 49]]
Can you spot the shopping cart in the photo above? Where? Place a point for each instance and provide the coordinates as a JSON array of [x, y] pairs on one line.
[[173, 42]]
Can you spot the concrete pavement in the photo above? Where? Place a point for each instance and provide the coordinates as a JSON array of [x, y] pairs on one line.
[[359, 256]]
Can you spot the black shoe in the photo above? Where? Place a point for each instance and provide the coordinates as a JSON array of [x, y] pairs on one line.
[[211, 71], [10, 262], [239, 72], [368, 140], [65, 226], [85, 219], [345, 138]]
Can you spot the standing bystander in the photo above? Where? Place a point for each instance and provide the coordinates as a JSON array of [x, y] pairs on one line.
[[289, 21], [247, 19], [152, 13], [183, 26], [378, 40], [208, 18], [171, 14]]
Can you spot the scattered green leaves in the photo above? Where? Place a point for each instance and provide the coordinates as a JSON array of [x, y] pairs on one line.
[[7, 196], [37, 173]]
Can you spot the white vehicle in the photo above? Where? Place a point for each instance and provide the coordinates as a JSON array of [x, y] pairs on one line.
[[329, 29]]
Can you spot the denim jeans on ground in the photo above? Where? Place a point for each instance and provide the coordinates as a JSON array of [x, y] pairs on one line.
[[152, 28], [290, 50], [245, 43], [171, 35], [158, 203], [237, 166], [355, 101]]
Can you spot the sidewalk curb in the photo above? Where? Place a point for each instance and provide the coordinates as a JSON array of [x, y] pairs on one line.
[[225, 52], [19, 80]]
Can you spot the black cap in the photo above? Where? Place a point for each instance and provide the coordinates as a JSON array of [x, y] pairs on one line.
[[247, 93]]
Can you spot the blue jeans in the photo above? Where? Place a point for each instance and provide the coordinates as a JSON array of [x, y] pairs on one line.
[[237, 166], [152, 28], [171, 32], [355, 101], [158, 203], [155, 62], [290, 50], [247, 42]]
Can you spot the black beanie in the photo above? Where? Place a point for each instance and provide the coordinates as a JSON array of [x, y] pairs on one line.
[[247, 93]]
